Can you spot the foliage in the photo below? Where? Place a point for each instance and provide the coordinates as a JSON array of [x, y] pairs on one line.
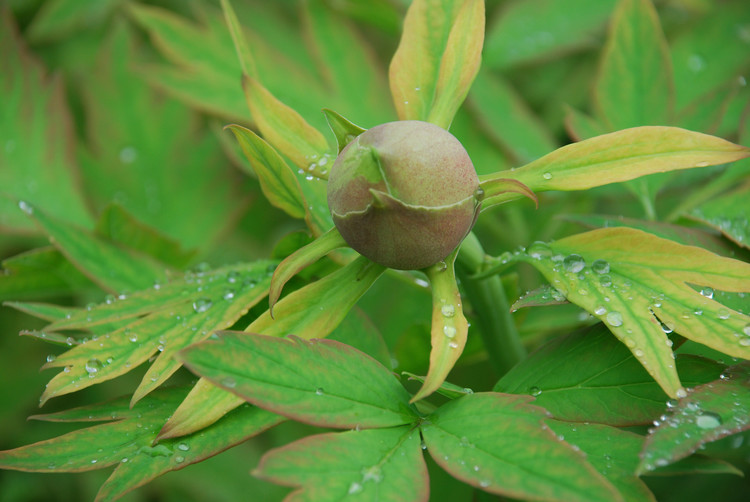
[[164, 170]]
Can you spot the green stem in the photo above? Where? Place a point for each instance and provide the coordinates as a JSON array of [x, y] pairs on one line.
[[491, 307]]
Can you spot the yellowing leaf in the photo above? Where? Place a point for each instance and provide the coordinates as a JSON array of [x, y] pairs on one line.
[[639, 285], [621, 156], [437, 59]]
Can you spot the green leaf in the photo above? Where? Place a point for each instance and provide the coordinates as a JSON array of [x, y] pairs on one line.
[[449, 326], [613, 453], [155, 322], [311, 312], [527, 31], [588, 376], [35, 124], [508, 119], [285, 129], [378, 464], [245, 57], [437, 59], [344, 130], [276, 178], [299, 260], [634, 85], [639, 285], [116, 224], [59, 18], [447, 389], [710, 412], [321, 382], [143, 164], [40, 273], [622, 156], [498, 442], [542, 296], [729, 214], [696, 464], [138, 459], [113, 267]]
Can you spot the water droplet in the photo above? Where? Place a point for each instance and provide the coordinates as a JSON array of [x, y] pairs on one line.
[[605, 280], [448, 310], [51, 358], [228, 294], [441, 266], [745, 342], [708, 420], [681, 393], [600, 267], [319, 391], [202, 304], [707, 292], [183, 447], [233, 276], [614, 319], [25, 207], [574, 263], [449, 331], [547, 176], [229, 382], [453, 345], [723, 314], [128, 155], [133, 337], [600, 310], [373, 473], [179, 459], [355, 488], [535, 391], [484, 483], [539, 250], [93, 366]]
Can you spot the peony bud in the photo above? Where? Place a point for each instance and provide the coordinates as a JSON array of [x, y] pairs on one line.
[[404, 194]]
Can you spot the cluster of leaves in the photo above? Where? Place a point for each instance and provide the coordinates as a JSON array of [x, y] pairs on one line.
[[564, 423]]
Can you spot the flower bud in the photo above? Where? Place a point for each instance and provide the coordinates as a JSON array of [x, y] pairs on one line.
[[404, 194]]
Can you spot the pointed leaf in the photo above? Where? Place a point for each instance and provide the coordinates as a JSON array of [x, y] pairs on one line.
[[498, 442], [277, 180], [36, 164], [285, 129], [437, 59], [638, 284], [377, 464], [613, 453], [193, 308], [495, 188], [300, 259], [113, 267], [447, 389], [138, 459], [710, 412], [588, 376], [634, 85], [311, 312], [449, 326], [622, 156], [321, 382], [542, 296], [344, 130], [245, 57]]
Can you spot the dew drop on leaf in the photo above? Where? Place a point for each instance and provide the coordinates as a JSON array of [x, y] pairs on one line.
[[183, 447], [202, 304], [707, 292], [600, 310], [233, 276], [93, 366], [319, 391], [614, 319], [229, 382], [449, 331], [708, 420], [547, 176], [600, 267], [574, 263], [448, 310], [355, 488], [535, 391]]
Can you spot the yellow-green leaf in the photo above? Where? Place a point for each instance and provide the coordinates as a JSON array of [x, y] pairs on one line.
[[639, 285], [437, 59]]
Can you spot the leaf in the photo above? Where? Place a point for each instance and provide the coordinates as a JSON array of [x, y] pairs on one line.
[[542, 296], [638, 284], [449, 326], [36, 163], [245, 57], [377, 464], [142, 165], [696, 464], [40, 273], [156, 322], [523, 32], [634, 84], [276, 178], [344, 130], [59, 18], [729, 214], [321, 382], [138, 459], [498, 442], [581, 126], [447, 389], [508, 119], [613, 453], [622, 156], [299, 260], [496, 188], [285, 129], [437, 59], [710, 412], [113, 267], [116, 224], [588, 376], [311, 312]]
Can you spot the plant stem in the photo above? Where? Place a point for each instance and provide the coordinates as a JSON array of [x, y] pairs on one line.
[[490, 305]]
